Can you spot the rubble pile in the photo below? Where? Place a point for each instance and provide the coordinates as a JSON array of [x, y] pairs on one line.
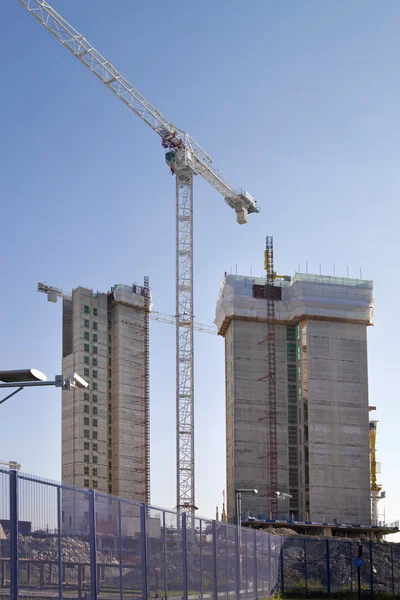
[[74, 550]]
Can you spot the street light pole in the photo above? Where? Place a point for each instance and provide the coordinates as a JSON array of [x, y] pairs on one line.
[[238, 502], [238, 508], [21, 379]]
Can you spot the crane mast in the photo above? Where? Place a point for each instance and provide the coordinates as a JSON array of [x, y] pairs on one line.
[[185, 483], [186, 158]]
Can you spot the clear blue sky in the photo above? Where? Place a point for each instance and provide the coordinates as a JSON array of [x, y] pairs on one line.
[[296, 102]]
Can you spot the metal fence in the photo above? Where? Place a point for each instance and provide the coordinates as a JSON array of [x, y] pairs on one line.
[[326, 567], [61, 542]]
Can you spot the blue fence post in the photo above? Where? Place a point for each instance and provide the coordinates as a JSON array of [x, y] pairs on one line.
[[328, 568], [281, 569], [255, 584], [165, 556], [237, 560], [121, 587], [201, 559], [305, 566], [227, 560], [59, 544], [93, 545], [262, 563], [269, 565], [214, 560], [184, 556], [351, 566], [143, 553], [371, 563], [247, 569], [14, 591], [391, 556]]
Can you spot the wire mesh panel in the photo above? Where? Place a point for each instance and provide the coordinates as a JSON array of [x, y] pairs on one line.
[[194, 559], [130, 550], [156, 559], [243, 567], [246, 568], [222, 559], [108, 572], [274, 553], [382, 568], [251, 583], [231, 533], [366, 569], [262, 567], [206, 553], [174, 555], [294, 566], [340, 566], [316, 565], [4, 535], [396, 568], [75, 543], [38, 540]]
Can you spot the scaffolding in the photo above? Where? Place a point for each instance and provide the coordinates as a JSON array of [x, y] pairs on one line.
[[131, 306], [271, 420], [146, 390]]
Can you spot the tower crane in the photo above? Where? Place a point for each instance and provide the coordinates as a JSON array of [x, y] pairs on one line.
[[186, 158]]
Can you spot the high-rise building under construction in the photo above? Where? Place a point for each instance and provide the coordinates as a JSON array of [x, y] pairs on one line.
[[321, 409], [105, 428]]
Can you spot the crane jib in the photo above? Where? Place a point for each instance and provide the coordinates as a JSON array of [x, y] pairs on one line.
[[77, 44]]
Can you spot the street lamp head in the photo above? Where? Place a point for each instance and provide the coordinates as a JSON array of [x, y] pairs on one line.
[[78, 381], [71, 381], [246, 491], [32, 378], [282, 495], [21, 375]]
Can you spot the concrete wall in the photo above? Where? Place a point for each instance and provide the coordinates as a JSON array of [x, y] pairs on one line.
[[128, 391], [338, 421], [246, 414]]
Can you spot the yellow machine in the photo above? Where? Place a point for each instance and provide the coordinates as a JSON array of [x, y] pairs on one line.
[[375, 486]]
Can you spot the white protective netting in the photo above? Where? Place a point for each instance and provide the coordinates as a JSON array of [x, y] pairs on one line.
[[131, 295], [304, 296]]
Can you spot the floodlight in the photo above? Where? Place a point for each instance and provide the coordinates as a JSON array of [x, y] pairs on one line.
[[21, 375]]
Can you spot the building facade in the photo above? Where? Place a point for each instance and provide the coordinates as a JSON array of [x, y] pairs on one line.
[[105, 428], [321, 395]]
